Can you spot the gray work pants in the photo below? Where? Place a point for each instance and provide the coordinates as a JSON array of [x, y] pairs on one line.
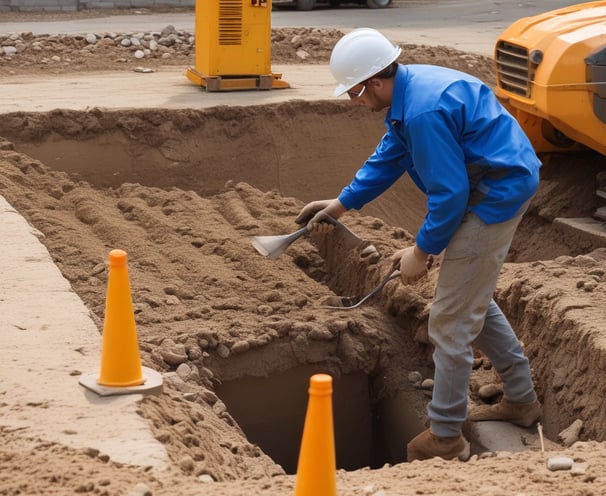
[[464, 311]]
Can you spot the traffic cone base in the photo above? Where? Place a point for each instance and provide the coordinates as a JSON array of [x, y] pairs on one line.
[[152, 384]]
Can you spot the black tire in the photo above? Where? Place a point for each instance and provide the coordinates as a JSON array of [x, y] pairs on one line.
[[334, 3], [306, 4], [378, 4]]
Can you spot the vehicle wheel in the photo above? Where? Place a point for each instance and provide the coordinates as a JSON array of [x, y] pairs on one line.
[[378, 4], [334, 3], [307, 4]]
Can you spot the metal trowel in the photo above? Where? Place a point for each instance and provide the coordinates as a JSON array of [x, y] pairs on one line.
[[349, 303], [274, 246]]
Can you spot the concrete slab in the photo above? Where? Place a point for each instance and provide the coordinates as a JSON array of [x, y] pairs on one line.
[[48, 340], [592, 229], [493, 437]]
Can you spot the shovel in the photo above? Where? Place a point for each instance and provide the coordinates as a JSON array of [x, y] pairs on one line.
[[349, 303], [274, 246]]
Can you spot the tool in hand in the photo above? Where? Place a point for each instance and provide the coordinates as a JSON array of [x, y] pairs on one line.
[[348, 303], [274, 246]]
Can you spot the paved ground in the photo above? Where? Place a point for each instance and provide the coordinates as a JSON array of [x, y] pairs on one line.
[[169, 88]]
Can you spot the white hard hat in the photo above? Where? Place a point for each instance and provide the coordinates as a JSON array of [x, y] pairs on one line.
[[360, 54]]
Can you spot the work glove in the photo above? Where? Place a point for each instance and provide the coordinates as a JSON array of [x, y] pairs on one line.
[[314, 216], [413, 263]]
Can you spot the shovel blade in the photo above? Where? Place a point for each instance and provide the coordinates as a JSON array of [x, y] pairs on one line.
[[274, 246]]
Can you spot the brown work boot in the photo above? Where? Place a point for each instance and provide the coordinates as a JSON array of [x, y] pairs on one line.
[[522, 414], [427, 445]]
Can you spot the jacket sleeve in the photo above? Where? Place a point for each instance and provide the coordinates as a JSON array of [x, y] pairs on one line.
[[383, 168]]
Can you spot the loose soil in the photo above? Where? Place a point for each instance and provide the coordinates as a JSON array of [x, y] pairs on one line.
[[183, 192]]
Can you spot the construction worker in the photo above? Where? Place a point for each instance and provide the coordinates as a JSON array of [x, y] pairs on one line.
[[447, 130]]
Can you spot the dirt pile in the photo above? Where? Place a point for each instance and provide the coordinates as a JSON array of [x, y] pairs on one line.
[[20, 53], [237, 335]]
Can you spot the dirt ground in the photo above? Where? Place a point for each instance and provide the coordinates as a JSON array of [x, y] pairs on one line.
[[237, 334]]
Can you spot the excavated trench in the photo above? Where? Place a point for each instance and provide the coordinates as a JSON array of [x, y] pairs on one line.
[[183, 192]]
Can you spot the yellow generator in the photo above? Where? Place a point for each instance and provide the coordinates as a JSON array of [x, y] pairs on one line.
[[233, 46], [551, 75]]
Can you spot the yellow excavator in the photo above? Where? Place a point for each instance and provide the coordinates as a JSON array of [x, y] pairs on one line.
[[551, 75]]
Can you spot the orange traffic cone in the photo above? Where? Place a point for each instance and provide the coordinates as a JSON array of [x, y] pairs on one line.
[[121, 370], [317, 468], [120, 362]]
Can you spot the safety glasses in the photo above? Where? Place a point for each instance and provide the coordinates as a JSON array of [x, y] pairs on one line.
[[352, 94]]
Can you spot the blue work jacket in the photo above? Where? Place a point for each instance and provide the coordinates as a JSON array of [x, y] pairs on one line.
[[459, 145]]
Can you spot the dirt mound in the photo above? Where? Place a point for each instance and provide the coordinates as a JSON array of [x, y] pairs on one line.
[[237, 334], [22, 53]]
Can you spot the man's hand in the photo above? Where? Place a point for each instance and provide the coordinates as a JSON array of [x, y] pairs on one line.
[[317, 215], [413, 263], [311, 209]]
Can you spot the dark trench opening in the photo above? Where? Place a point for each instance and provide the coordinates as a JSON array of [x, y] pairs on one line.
[[271, 412]]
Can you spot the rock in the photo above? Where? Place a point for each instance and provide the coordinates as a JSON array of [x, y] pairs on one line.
[[302, 54], [183, 371], [193, 351], [172, 354], [415, 378], [223, 351], [241, 346], [570, 435], [172, 300], [140, 489], [187, 464], [559, 463], [301, 301], [170, 29], [578, 468], [427, 384]]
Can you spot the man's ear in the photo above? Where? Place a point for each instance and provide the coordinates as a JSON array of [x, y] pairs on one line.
[[378, 85], [374, 82]]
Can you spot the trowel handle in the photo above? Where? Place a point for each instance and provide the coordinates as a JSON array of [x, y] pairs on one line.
[[296, 235], [280, 243], [328, 219]]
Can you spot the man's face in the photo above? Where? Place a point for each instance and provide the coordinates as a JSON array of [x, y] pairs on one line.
[[364, 95]]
